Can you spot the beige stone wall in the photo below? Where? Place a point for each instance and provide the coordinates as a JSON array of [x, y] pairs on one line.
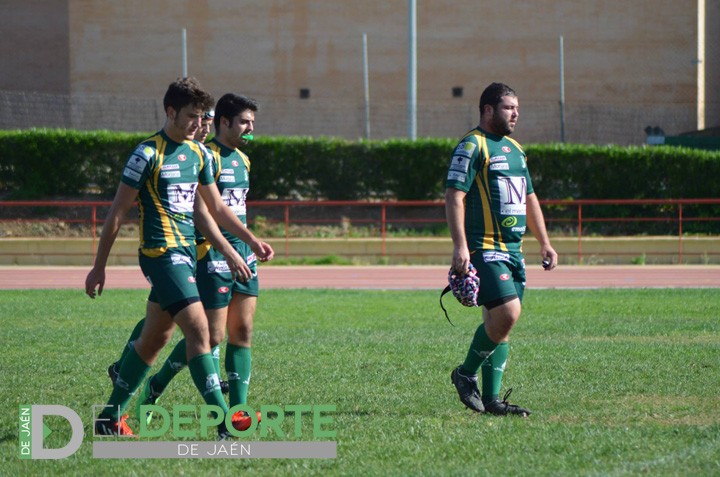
[[627, 64], [712, 64], [34, 53]]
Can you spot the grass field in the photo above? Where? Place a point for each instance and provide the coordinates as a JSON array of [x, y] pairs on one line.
[[621, 382]]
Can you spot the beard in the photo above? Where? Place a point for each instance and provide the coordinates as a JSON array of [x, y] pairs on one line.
[[502, 126]]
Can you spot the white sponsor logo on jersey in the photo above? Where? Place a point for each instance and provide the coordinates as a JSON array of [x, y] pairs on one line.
[[496, 257], [465, 148], [146, 152], [178, 259], [498, 159], [227, 171], [513, 191], [218, 266], [136, 162], [166, 167], [182, 196], [235, 199], [169, 174], [226, 178], [460, 163], [132, 174], [456, 176], [503, 166]]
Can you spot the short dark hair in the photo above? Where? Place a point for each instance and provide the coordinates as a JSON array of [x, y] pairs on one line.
[[493, 94], [187, 91], [230, 105]]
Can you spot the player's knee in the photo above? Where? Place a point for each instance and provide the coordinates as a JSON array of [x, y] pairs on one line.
[[241, 336], [245, 332], [197, 344], [216, 337], [197, 334]]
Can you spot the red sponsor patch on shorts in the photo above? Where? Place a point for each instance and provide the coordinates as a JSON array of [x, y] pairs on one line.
[[504, 277], [223, 289], [191, 279]]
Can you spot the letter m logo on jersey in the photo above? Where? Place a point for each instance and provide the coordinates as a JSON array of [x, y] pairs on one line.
[[235, 199], [182, 196], [513, 192]]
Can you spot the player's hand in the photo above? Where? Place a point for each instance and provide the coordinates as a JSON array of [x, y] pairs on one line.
[[237, 265], [550, 257], [263, 251], [96, 278], [461, 261]]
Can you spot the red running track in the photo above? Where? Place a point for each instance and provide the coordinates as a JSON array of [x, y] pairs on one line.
[[388, 277]]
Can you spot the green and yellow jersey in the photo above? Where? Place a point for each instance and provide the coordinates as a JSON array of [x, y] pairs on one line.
[[493, 171], [232, 176], [166, 174]]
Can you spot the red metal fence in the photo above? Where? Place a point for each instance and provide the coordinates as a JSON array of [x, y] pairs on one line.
[[383, 219]]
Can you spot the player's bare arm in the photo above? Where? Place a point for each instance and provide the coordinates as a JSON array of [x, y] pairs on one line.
[[222, 214], [123, 201], [536, 224], [455, 213], [211, 231]]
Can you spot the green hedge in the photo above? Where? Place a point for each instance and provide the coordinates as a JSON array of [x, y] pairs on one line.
[[47, 163], [44, 164]]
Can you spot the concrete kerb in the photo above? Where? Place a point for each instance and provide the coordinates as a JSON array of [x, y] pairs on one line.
[[428, 251]]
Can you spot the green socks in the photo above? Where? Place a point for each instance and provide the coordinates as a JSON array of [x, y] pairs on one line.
[[133, 337], [489, 356], [480, 348], [176, 362], [492, 372], [132, 373], [206, 380], [215, 352], [238, 363]]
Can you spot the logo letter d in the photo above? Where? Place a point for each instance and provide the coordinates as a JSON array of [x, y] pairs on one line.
[[38, 431]]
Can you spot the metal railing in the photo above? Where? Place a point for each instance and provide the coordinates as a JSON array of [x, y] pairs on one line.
[[383, 219]]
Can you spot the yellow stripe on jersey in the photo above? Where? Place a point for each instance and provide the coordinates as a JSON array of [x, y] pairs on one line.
[[153, 252], [515, 143], [215, 150], [202, 249], [245, 159], [196, 148], [488, 239], [492, 230], [155, 195]]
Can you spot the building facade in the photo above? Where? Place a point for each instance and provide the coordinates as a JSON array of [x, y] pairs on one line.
[[92, 64]]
